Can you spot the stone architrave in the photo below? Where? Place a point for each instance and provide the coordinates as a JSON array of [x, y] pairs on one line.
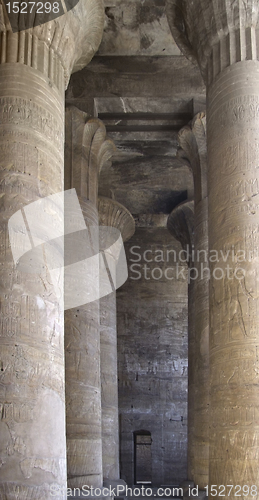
[[192, 140], [87, 150], [223, 38], [111, 214], [35, 67], [181, 225]]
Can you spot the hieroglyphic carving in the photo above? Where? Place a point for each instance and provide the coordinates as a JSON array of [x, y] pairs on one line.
[[31, 333], [220, 34], [26, 113], [238, 156], [19, 412], [244, 108], [233, 226], [87, 149], [35, 67]]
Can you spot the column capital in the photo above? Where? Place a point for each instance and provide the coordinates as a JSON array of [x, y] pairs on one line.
[[217, 34], [55, 48], [193, 143], [112, 213], [180, 223], [87, 150]]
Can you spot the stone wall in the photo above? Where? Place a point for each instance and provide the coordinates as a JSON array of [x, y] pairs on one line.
[[152, 357]]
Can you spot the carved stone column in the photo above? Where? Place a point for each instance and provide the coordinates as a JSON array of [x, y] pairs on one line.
[[181, 225], [223, 36], [111, 214], [192, 140], [35, 66], [87, 149]]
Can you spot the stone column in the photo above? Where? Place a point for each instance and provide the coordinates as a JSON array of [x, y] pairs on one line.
[[223, 36], [87, 149], [34, 69], [192, 140], [181, 225], [111, 214]]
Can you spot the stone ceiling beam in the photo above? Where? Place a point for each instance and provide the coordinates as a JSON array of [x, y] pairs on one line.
[[116, 76]]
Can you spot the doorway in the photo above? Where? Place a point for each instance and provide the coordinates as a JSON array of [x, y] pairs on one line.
[[142, 457]]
